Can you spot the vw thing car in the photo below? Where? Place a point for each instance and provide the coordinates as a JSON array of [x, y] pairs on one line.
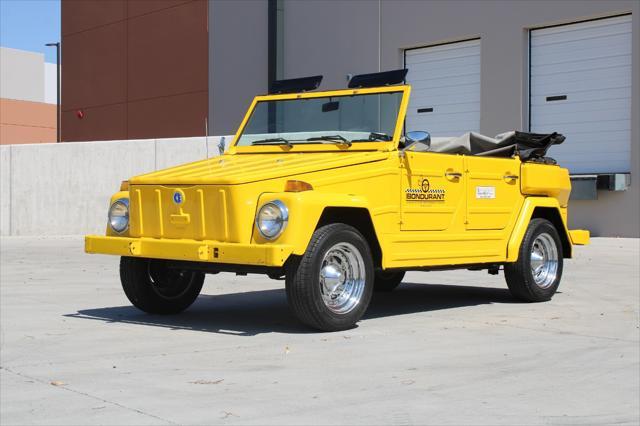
[[325, 190]]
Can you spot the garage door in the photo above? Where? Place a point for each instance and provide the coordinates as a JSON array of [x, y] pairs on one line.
[[445, 96], [581, 87]]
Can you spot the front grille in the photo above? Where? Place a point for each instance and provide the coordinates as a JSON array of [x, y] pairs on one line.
[[182, 211]]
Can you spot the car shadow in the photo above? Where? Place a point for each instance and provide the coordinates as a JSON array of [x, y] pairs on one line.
[[266, 311]]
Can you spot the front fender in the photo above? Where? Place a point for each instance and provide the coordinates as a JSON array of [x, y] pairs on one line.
[[305, 209], [526, 213]]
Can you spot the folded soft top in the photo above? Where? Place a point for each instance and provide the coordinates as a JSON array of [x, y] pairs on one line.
[[528, 146]]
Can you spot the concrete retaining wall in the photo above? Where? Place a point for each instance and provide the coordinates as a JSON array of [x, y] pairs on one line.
[[59, 189], [5, 189]]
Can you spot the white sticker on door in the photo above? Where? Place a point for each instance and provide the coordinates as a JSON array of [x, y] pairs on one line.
[[486, 192]]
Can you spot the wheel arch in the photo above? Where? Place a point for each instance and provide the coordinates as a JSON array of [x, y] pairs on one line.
[[310, 210], [359, 218], [553, 215], [539, 208]]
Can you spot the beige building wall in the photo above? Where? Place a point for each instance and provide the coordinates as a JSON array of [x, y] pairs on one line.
[[27, 98], [26, 122], [21, 75]]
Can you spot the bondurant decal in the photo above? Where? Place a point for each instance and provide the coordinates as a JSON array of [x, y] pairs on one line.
[[425, 193], [433, 195]]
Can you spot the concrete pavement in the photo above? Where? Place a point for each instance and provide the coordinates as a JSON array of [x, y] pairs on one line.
[[445, 348]]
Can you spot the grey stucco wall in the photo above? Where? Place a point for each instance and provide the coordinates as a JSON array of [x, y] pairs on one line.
[[337, 38], [237, 60], [333, 38]]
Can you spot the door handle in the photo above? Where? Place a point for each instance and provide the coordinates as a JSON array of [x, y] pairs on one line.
[[453, 175], [510, 177]]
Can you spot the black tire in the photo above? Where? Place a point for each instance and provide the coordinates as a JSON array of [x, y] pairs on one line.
[[519, 275], [156, 289], [305, 288], [386, 281]]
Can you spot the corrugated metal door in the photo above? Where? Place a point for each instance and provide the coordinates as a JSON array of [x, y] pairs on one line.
[[581, 87], [445, 80]]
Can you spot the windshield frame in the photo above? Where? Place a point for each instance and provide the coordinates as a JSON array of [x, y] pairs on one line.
[[310, 147]]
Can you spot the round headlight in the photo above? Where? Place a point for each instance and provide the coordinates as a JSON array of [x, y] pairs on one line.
[[119, 215], [272, 219]]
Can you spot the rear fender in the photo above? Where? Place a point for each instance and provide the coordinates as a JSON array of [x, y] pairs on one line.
[[539, 207]]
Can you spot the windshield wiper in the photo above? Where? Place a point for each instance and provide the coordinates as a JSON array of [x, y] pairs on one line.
[[374, 136], [273, 141], [331, 138]]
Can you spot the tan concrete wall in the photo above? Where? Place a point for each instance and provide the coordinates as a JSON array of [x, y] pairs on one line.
[[26, 122]]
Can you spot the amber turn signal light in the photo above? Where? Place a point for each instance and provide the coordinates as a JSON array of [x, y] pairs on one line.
[[124, 185], [297, 186]]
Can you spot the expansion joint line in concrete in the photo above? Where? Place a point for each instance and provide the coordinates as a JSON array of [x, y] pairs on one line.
[[97, 398]]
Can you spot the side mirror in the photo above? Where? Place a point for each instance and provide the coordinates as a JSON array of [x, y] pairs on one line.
[[419, 136], [417, 141]]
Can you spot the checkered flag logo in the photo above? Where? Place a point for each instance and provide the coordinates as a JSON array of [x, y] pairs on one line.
[[431, 191]]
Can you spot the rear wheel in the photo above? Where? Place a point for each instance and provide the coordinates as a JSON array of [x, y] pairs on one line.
[[151, 286], [330, 286], [387, 280], [536, 275]]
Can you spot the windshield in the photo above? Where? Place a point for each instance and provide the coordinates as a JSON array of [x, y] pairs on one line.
[[333, 119]]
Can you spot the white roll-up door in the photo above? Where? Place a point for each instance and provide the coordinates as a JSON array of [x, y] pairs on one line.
[[445, 83], [581, 87]]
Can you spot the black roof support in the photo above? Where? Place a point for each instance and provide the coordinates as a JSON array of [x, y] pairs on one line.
[[296, 85], [376, 79]]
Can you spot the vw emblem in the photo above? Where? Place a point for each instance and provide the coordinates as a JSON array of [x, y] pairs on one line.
[[178, 198]]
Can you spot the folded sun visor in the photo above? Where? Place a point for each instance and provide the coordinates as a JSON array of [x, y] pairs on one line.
[[294, 85], [377, 79]]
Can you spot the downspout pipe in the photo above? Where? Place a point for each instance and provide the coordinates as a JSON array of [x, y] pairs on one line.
[[272, 55]]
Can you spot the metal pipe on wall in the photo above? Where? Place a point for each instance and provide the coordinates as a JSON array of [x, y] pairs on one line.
[[58, 113]]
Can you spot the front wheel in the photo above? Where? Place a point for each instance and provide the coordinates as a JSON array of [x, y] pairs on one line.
[[153, 287], [329, 288], [535, 276]]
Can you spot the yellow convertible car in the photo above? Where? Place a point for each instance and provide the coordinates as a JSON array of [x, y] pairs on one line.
[[326, 191]]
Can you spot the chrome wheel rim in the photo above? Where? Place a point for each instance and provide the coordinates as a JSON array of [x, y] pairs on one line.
[[544, 260], [342, 278]]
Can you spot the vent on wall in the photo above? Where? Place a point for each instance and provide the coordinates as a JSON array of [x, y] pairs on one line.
[[585, 187]]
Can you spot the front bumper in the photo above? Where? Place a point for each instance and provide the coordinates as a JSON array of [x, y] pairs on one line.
[[189, 250]]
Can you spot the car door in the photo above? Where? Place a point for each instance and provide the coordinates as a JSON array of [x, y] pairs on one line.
[[493, 192], [432, 191]]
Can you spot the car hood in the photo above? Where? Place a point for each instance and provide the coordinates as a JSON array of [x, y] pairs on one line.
[[233, 169]]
